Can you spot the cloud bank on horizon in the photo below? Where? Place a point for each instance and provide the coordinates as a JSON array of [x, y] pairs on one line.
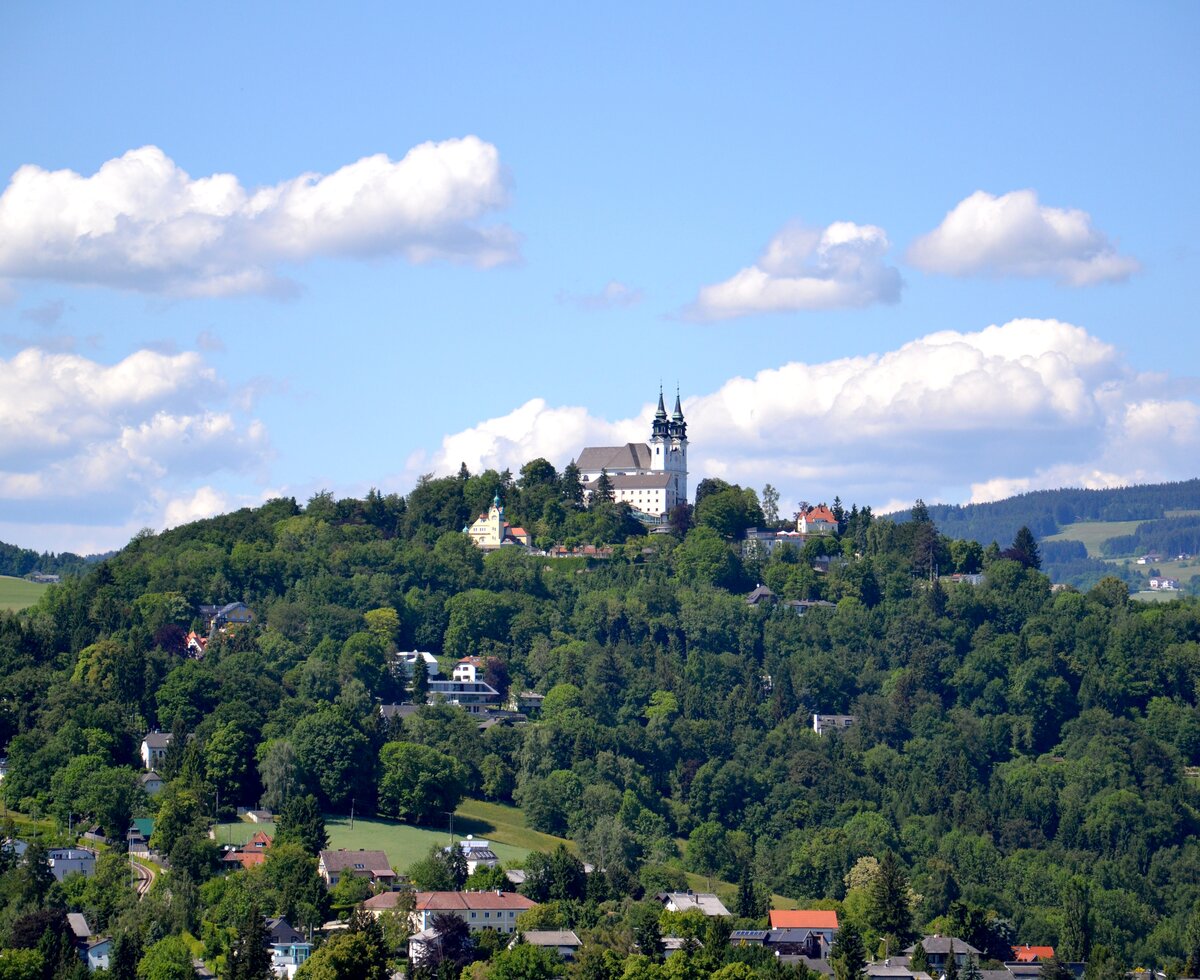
[[977, 416], [142, 223]]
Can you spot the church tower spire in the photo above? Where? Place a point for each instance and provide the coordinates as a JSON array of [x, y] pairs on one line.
[[661, 429]]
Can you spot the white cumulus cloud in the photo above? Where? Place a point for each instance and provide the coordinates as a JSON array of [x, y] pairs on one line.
[[1014, 235], [951, 415], [141, 222], [87, 443], [805, 269]]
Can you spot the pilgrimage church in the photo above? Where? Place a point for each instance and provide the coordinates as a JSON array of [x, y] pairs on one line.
[[652, 478]]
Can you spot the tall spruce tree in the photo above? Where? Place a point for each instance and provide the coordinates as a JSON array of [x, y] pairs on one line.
[[889, 913]]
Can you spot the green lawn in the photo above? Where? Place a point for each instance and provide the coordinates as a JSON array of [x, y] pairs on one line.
[[17, 593], [1149, 596], [1095, 533], [503, 826]]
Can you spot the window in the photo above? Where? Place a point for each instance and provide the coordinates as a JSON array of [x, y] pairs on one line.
[[472, 915]]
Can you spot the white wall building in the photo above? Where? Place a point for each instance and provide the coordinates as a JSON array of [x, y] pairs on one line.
[[650, 477]]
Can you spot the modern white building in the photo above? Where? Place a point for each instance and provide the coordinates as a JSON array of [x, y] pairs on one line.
[[650, 477]]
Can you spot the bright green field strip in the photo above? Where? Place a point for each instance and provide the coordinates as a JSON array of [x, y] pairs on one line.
[[1095, 533], [505, 824], [405, 844], [1157, 596], [17, 593]]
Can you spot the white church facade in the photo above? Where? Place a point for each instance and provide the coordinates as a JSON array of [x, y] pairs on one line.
[[650, 477]]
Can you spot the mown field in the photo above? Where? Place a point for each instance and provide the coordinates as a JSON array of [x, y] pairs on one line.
[[1095, 533], [17, 593], [404, 844]]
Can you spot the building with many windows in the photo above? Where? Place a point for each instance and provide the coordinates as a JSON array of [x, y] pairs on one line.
[[650, 477]]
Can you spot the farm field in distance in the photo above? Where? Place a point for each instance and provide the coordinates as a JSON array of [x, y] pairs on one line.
[[18, 593], [1095, 533]]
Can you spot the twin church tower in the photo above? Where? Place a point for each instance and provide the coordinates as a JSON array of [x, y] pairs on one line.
[[651, 478]]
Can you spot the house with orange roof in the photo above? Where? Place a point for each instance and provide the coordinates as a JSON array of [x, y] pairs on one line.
[[816, 520], [1032, 954], [823, 921], [491, 531], [469, 669]]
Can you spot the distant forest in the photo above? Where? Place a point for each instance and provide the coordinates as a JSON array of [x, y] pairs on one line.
[[1046, 512], [20, 562]]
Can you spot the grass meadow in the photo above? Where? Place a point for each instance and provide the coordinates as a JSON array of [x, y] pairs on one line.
[[17, 593]]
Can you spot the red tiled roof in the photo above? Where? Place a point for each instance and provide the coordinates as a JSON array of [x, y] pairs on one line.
[[1031, 954], [821, 514], [447, 901], [803, 919]]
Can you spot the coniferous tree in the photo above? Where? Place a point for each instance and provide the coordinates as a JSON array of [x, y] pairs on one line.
[[420, 681], [250, 954], [920, 959], [1076, 939], [848, 955], [301, 822], [602, 492], [889, 913]]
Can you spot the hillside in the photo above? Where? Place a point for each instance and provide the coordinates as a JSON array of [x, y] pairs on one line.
[[1078, 529], [1021, 754]]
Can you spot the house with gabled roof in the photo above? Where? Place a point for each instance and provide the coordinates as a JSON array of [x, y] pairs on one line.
[[1032, 954], [154, 748], [495, 910], [705, 902], [822, 921], [372, 865], [939, 949], [816, 520]]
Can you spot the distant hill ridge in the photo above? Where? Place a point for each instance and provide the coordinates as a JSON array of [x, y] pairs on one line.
[[20, 562], [1046, 512]]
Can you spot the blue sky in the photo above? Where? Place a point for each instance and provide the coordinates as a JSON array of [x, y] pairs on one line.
[[806, 215]]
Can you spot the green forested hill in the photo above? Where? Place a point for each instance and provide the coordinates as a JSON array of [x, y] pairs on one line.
[[1024, 753]]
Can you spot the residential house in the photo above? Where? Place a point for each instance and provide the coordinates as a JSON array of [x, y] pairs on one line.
[[761, 542], [562, 942], [1150, 558], [252, 853], [154, 748], [1031, 954], [706, 902], [823, 724], [471, 695], [195, 645], [372, 865], [151, 782], [1164, 584], [496, 910], [816, 520], [478, 852], [98, 953], [469, 669], [821, 921], [95, 952], [405, 661], [65, 861], [43, 579], [230, 614], [938, 950], [528, 701], [397, 712], [760, 596], [788, 944], [289, 948]]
